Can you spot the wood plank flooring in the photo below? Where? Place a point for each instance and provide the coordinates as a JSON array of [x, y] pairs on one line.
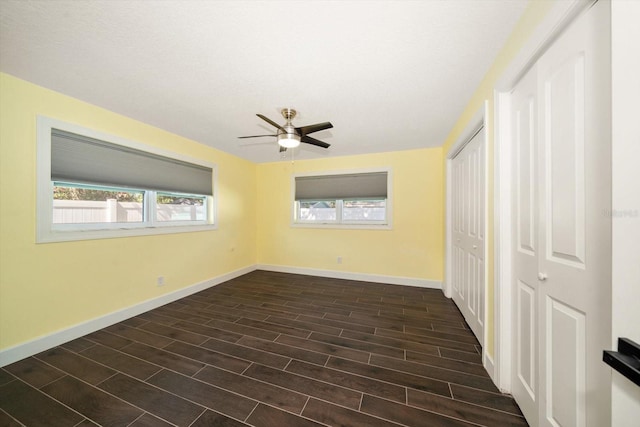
[[268, 349]]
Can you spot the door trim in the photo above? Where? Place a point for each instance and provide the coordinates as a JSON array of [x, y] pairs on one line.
[[477, 124], [561, 15]]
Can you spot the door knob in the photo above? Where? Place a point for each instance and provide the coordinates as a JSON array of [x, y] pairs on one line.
[[542, 277], [475, 247]]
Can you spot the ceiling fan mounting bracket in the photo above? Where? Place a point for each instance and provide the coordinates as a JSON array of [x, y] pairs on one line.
[[288, 113]]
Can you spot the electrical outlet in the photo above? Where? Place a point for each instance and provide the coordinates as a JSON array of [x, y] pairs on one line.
[[339, 260], [160, 281]]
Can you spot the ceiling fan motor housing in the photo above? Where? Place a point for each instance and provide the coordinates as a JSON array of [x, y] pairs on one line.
[[288, 138]]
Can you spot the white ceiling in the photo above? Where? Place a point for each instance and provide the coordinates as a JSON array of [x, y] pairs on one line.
[[390, 75]]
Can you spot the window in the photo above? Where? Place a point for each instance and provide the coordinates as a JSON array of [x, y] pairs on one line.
[[364, 210], [180, 207], [93, 186], [85, 204], [317, 210], [346, 200]]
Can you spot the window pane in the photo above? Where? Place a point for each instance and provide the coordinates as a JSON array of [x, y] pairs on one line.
[[364, 210], [176, 207], [317, 210], [78, 204]]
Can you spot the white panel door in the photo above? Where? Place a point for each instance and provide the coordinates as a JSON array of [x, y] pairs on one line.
[[468, 201], [524, 134], [562, 251], [574, 86]]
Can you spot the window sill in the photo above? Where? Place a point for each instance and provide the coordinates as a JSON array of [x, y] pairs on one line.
[[380, 227], [51, 236]]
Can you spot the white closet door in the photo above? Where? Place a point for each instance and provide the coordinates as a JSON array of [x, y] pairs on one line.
[[524, 136], [562, 237], [575, 234], [468, 199]]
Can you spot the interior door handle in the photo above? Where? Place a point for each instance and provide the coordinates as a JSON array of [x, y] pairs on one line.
[[475, 247], [542, 277]]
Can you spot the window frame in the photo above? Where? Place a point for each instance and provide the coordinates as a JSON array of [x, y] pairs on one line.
[[340, 223], [48, 232]]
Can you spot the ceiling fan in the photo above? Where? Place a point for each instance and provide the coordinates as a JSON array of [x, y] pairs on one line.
[[290, 136]]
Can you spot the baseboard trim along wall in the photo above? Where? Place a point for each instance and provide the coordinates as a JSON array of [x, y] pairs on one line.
[[490, 366], [376, 278], [37, 345]]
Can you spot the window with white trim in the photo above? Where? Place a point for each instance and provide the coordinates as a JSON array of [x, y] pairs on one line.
[[353, 199], [93, 186]]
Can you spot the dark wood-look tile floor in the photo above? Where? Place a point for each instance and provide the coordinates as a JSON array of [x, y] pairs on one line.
[[268, 349]]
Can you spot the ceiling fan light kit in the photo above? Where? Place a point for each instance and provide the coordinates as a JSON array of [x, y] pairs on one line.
[[289, 136], [288, 140]]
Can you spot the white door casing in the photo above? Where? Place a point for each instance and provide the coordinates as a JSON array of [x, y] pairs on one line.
[[468, 232], [561, 232], [625, 213]]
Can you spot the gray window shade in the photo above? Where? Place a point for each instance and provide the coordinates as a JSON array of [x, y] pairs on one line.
[[77, 158], [347, 186]]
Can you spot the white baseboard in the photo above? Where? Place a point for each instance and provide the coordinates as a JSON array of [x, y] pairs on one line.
[[490, 366], [377, 278], [37, 345]]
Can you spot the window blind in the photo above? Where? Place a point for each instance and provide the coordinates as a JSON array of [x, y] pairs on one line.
[[345, 186], [77, 158]]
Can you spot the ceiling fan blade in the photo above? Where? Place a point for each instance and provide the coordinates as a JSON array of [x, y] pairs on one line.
[[307, 139], [271, 122], [283, 149], [254, 136], [305, 130]]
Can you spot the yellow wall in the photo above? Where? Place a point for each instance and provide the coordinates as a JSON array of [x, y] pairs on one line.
[[48, 287], [531, 18], [45, 288], [413, 248]]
